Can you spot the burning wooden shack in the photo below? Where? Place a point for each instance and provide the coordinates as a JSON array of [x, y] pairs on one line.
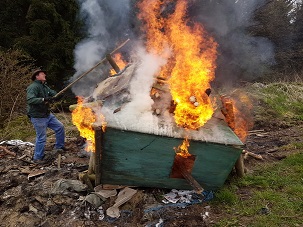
[[148, 151], [165, 127]]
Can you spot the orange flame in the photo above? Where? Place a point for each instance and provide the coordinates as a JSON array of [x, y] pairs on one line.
[[191, 64], [118, 58], [84, 118], [191, 56], [182, 150], [244, 121], [237, 112]]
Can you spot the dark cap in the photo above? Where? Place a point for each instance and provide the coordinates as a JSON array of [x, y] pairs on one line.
[[36, 72]]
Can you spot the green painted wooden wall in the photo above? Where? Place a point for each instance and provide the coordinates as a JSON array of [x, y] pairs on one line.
[[145, 160]]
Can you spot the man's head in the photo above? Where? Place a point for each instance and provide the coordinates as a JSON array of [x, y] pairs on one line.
[[39, 75]]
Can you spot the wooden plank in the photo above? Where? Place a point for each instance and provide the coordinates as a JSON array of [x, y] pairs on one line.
[[180, 165], [99, 147], [113, 63]]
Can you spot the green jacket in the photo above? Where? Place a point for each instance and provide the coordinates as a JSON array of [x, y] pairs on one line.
[[35, 93]]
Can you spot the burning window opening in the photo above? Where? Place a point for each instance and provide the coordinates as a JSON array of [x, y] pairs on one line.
[[182, 162], [182, 149], [84, 118]]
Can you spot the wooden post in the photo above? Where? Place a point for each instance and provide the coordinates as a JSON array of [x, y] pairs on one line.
[[239, 166], [98, 151], [91, 164], [179, 164], [59, 161], [113, 63]]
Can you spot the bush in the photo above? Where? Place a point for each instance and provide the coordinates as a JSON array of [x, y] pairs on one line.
[[15, 71]]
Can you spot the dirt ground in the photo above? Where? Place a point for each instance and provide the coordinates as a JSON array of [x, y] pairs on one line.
[[27, 199]]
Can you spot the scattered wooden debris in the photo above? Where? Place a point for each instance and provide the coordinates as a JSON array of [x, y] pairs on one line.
[[7, 151], [255, 131], [239, 166], [59, 161], [123, 196], [272, 150], [36, 173], [256, 156], [111, 187], [21, 157]]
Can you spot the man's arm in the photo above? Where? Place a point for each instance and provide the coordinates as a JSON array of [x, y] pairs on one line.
[[32, 96]]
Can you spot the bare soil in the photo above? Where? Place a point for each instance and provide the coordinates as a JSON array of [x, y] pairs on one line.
[[26, 200]]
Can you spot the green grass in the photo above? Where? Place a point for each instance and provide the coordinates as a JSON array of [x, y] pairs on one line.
[[21, 128], [280, 100], [276, 188]]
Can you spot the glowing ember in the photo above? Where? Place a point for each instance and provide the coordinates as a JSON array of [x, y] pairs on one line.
[[84, 118], [118, 58], [191, 64]]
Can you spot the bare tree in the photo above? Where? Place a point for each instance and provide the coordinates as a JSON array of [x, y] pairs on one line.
[[15, 69]]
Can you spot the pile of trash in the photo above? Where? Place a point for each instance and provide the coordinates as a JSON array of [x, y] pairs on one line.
[[35, 195]]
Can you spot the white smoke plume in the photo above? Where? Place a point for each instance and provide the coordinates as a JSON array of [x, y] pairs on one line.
[[140, 108], [109, 23], [241, 55], [106, 23]]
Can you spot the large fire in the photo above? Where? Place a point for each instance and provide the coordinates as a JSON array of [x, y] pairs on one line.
[[191, 59], [191, 56], [84, 118]]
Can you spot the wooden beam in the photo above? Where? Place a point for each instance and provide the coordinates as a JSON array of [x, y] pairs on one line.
[[91, 164], [239, 166], [113, 63], [99, 144], [179, 164], [7, 151], [90, 105]]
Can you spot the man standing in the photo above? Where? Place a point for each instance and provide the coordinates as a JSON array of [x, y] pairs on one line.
[[39, 96]]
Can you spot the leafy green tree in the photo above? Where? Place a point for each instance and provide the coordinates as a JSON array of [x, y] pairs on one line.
[[12, 21], [52, 36], [297, 53], [275, 22], [47, 30]]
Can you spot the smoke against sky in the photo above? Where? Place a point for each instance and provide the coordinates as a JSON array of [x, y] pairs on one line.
[[241, 56], [108, 23]]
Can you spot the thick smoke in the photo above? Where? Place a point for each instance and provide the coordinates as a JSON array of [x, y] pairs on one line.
[[240, 55], [106, 23]]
